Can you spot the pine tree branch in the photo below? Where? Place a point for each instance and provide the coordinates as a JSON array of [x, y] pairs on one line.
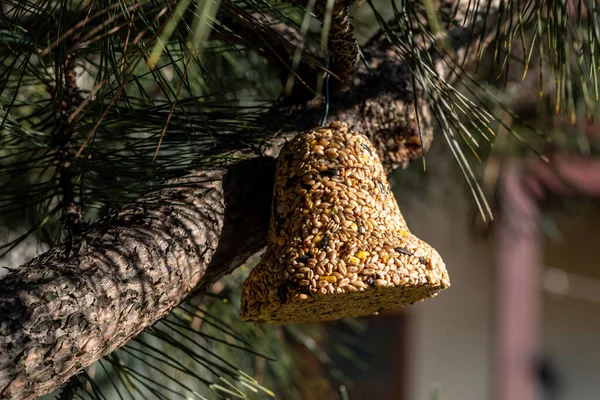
[[278, 41], [73, 305], [273, 41]]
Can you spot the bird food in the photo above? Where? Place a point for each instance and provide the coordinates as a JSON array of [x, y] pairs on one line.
[[338, 245]]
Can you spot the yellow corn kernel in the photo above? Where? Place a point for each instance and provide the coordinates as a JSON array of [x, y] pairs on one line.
[[330, 279], [318, 237], [362, 254], [353, 260]]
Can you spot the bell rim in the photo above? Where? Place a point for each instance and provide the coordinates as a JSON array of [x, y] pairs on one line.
[[394, 298]]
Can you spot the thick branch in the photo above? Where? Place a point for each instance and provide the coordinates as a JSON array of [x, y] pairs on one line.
[[62, 311]]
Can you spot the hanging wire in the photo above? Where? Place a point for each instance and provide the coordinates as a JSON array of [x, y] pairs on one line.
[[364, 60], [326, 113]]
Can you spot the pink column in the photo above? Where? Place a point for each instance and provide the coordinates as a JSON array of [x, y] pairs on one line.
[[518, 306]]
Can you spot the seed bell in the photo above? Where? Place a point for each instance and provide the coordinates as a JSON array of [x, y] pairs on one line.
[[338, 245]]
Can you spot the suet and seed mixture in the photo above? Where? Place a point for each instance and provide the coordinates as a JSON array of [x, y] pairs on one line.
[[338, 245]]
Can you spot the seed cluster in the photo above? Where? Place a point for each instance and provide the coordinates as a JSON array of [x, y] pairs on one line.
[[338, 245]]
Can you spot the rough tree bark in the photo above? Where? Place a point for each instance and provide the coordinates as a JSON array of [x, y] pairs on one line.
[[80, 301]]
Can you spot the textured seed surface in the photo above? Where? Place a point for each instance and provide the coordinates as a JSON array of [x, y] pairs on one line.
[[338, 245]]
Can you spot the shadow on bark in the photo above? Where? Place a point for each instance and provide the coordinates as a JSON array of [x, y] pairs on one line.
[[248, 191]]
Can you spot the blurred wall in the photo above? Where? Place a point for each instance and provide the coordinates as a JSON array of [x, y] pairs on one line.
[[571, 320], [451, 337]]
